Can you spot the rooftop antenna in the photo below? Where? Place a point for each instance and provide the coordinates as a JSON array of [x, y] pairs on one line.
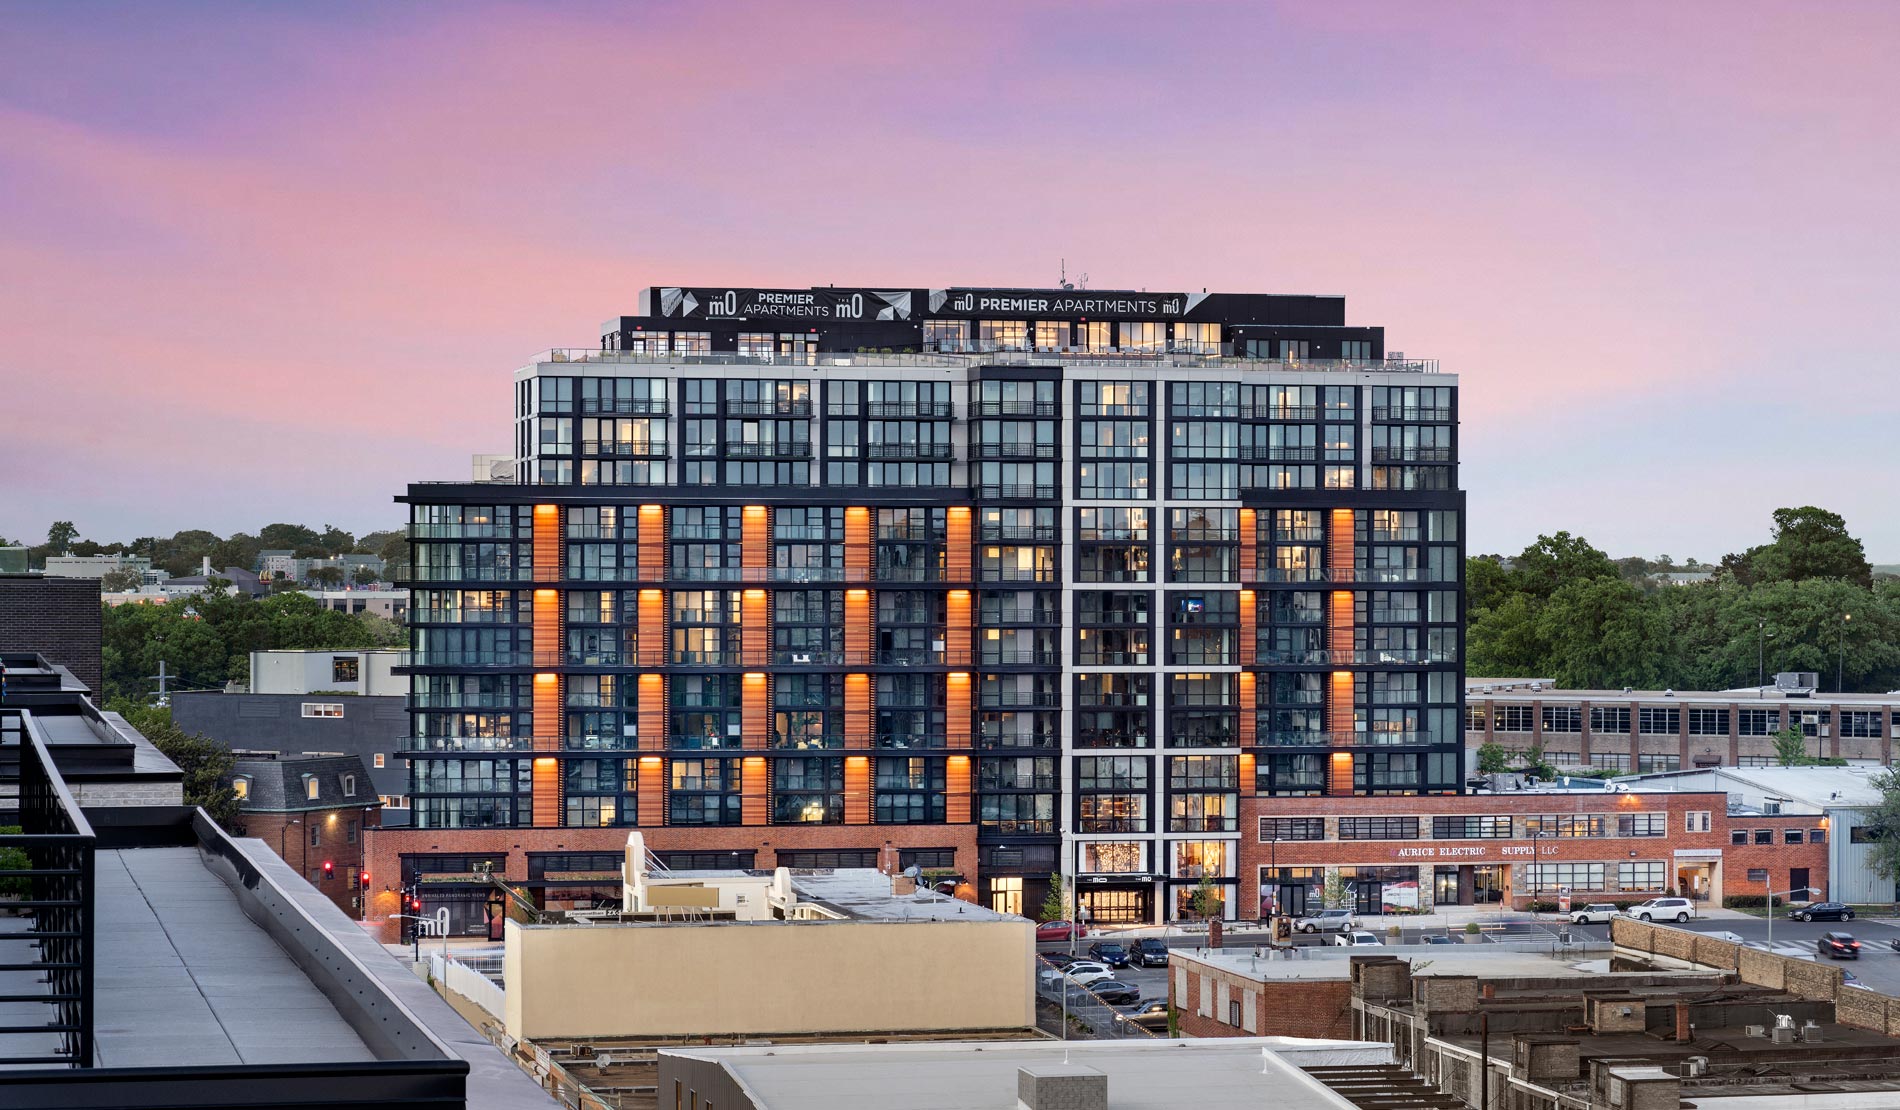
[[163, 678], [1063, 277]]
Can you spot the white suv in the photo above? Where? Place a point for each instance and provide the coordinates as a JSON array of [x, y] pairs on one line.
[[1663, 909], [1596, 913], [1327, 921]]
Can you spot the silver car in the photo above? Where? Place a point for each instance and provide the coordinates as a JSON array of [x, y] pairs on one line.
[[1327, 921]]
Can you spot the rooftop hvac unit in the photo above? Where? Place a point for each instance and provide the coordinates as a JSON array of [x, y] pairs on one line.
[[1811, 1032], [1755, 1030], [1696, 1067]]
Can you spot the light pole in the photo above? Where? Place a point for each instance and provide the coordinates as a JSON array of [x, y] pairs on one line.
[[281, 830], [1537, 877], [1761, 651], [1840, 666], [1772, 895]]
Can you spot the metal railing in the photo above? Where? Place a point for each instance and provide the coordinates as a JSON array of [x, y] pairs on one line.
[[1013, 451], [769, 408], [911, 410], [987, 492], [768, 450], [935, 452], [623, 407], [54, 854], [1358, 656], [972, 353], [648, 450], [1411, 454], [1340, 739], [1424, 415]]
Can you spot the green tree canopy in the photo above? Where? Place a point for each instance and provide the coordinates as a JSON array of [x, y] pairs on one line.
[[1808, 543], [206, 763]]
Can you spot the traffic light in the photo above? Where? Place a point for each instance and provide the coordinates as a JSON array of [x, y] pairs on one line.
[[329, 870], [365, 880], [415, 905]]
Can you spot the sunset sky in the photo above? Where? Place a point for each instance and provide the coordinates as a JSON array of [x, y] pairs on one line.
[[271, 262]]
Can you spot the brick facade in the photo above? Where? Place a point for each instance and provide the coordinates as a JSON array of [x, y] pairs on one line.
[[334, 842], [1205, 999], [56, 617], [1695, 842], [388, 846]]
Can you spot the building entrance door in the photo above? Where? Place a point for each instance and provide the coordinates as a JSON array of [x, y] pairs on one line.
[[1490, 884], [1120, 906], [1797, 880], [1445, 890]]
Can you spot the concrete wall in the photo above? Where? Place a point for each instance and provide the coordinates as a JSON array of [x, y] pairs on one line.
[[300, 672], [767, 977], [1803, 978]]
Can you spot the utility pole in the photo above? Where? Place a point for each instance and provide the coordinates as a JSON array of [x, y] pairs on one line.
[[1761, 651], [1840, 667], [164, 698]]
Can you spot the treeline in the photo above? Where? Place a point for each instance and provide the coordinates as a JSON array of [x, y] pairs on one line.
[[1806, 601], [207, 641], [184, 553]]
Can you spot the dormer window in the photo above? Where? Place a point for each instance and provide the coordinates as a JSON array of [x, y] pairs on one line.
[[310, 787], [241, 787], [349, 786]]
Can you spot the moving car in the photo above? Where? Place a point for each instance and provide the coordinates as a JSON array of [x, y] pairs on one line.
[[1663, 909], [1060, 930], [1326, 921], [1081, 971], [1838, 946], [1150, 952], [1437, 938], [1116, 993], [1823, 911], [1108, 952], [1596, 913], [1152, 1016], [1355, 938]]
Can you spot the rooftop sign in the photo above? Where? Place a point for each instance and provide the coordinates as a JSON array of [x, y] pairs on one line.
[[834, 303]]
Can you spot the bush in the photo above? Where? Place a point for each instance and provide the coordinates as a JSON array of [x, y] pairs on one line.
[[1471, 929], [1543, 907], [1748, 901], [15, 859]]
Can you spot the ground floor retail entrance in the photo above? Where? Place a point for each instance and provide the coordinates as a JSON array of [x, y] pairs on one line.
[[1470, 884], [1116, 904]]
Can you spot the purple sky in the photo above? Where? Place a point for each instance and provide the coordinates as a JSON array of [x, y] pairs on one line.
[[271, 262]]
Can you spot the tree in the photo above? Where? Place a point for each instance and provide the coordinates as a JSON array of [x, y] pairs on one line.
[[120, 581], [61, 536], [287, 536], [1055, 904], [1492, 758], [1334, 892], [364, 576], [336, 540], [1206, 899], [206, 763], [327, 577], [1791, 747], [1553, 561], [1881, 825], [1809, 542]]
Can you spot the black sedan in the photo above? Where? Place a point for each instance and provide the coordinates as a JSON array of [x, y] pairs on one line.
[[1151, 952], [1108, 952], [1823, 911], [1838, 946], [1116, 993]]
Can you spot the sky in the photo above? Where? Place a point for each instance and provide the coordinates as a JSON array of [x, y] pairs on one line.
[[266, 262]]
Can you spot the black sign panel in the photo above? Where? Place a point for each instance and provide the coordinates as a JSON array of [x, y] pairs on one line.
[[785, 304], [1014, 303]]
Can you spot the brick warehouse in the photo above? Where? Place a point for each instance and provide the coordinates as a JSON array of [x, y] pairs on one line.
[[790, 574], [1513, 848]]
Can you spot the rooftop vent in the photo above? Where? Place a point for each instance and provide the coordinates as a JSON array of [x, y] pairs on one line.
[[1061, 1087]]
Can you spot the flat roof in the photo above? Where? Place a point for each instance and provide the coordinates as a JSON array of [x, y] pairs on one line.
[[864, 893], [1485, 961], [1212, 1073], [1520, 689]]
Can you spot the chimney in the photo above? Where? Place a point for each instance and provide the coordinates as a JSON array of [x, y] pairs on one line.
[[1682, 1022], [1061, 1087]]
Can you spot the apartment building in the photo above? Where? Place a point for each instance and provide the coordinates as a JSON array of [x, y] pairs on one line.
[[1646, 731], [1011, 582]]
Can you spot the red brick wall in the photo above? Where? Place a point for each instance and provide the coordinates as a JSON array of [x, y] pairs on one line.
[[1283, 1008], [388, 846], [293, 843], [1778, 858]]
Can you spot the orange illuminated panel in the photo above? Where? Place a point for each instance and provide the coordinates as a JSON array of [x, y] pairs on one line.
[[547, 628], [1247, 709], [1339, 774], [547, 793], [752, 791], [547, 543], [956, 559], [1339, 630], [1248, 785], [651, 791], [652, 543], [956, 790], [1249, 544], [1249, 625], [857, 790], [755, 536], [755, 630], [956, 709], [956, 627], [857, 543], [547, 712], [857, 711], [755, 710], [652, 713], [1339, 545], [1339, 704], [653, 628], [858, 626]]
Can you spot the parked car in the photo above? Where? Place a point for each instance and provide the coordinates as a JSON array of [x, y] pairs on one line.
[[1838, 946], [1150, 952], [1354, 938], [1060, 930], [1853, 980], [1108, 952], [1152, 1016], [1057, 959], [1327, 921], [1437, 938], [1115, 992], [1081, 971], [1663, 909], [1822, 911], [1596, 913]]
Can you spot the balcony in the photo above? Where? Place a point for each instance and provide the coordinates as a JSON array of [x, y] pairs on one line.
[[1412, 415], [888, 742], [1341, 739], [457, 745], [463, 616], [433, 658], [1013, 451], [623, 449], [1018, 408], [908, 573], [701, 742], [1016, 657], [1360, 657], [58, 926], [1411, 454], [1015, 574], [1018, 533], [768, 450], [460, 532], [997, 615], [1279, 412], [939, 452], [1013, 491], [1252, 452], [769, 408], [910, 410], [623, 407]]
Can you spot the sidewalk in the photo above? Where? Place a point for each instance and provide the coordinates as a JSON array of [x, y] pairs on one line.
[[1451, 919]]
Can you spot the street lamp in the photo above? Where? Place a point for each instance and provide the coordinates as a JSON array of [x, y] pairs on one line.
[[1761, 651], [1804, 891], [281, 830]]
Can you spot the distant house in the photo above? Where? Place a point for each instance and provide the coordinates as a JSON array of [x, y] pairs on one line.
[[312, 810], [1685, 577], [270, 563]]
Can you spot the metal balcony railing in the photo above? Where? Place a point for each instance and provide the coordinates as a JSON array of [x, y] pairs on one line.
[[769, 408], [1411, 454], [478, 744], [1364, 657], [768, 450], [1013, 451], [1251, 452], [623, 407], [910, 410], [997, 491], [1279, 412], [1018, 408], [922, 451], [59, 849], [1420, 415], [1341, 739], [966, 354], [623, 448]]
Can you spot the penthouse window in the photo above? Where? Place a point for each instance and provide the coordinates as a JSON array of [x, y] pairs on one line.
[[1142, 335], [947, 335], [1197, 338], [1003, 335]]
